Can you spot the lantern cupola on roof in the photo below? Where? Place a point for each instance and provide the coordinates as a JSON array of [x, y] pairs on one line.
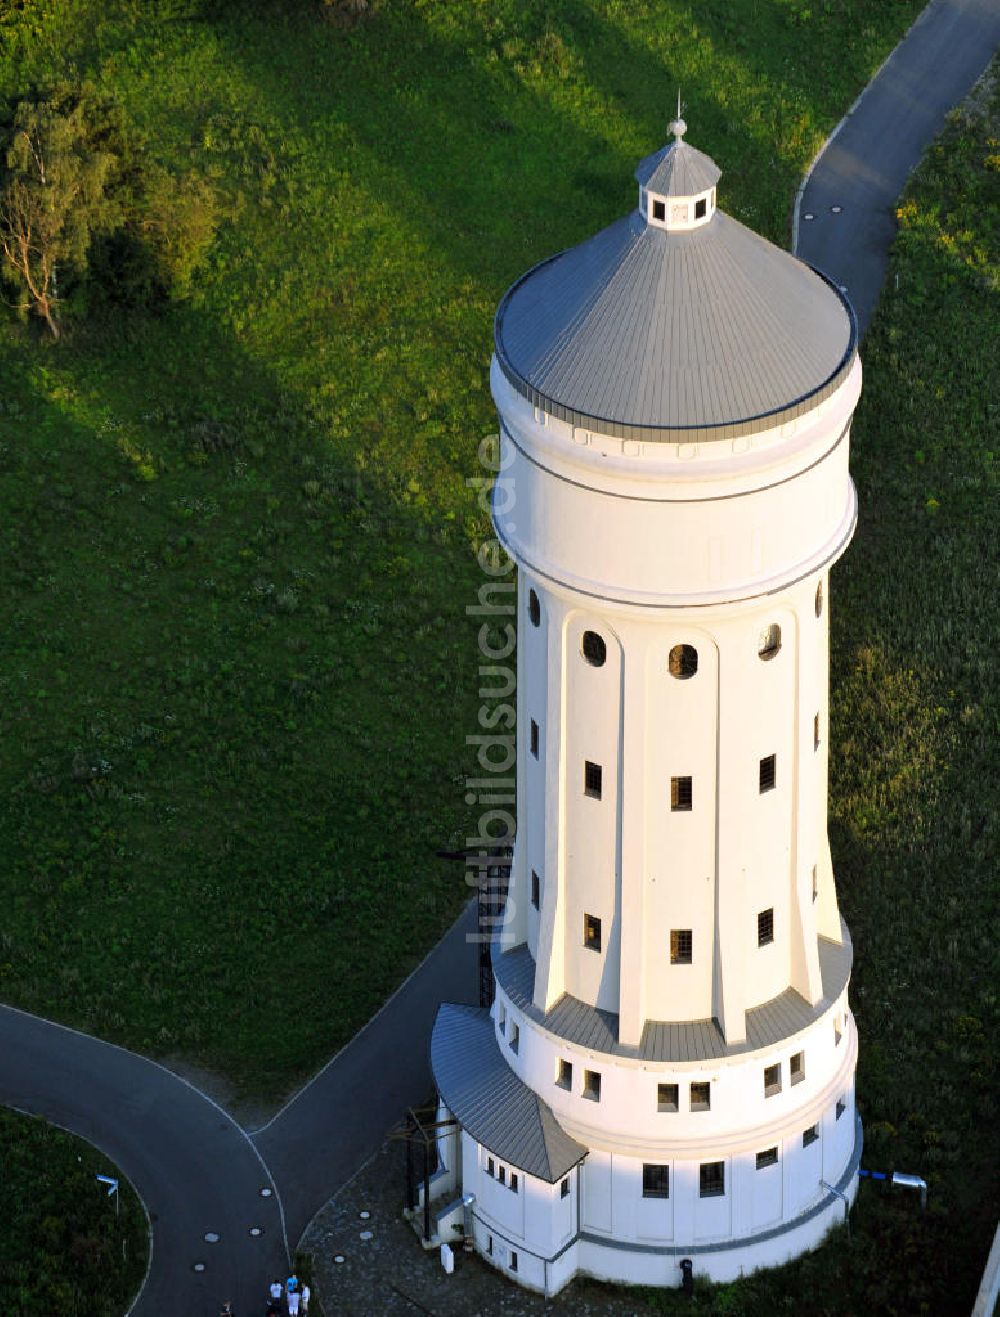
[[677, 184]]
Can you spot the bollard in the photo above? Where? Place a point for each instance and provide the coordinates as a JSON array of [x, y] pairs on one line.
[[687, 1277]]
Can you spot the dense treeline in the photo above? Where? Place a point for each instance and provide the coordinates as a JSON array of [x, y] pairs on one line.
[[88, 218]]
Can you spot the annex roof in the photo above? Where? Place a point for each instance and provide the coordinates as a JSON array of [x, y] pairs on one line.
[[666, 1041], [489, 1101], [656, 335]]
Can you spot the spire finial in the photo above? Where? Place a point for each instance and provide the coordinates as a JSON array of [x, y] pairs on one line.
[[677, 126]]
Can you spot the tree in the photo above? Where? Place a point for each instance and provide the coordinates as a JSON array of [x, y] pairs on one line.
[[56, 196]]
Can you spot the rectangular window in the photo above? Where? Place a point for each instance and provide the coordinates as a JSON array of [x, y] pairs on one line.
[[712, 1179], [701, 1097], [815, 881], [502, 1175], [768, 773], [816, 732], [797, 1067], [592, 780], [659, 210], [765, 927], [515, 1036], [700, 208], [491, 1169], [769, 1157], [680, 794], [592, 932], [841, 1107], [772, 1080], [513, 1260], [564, 1075], [592, 1085], [534, 738], [502, 1017], [680, 946], [655, 1181], [811, 1135], [536, 890], [667, 1097], [513, 1182], [489, 1245], [564, 1189]]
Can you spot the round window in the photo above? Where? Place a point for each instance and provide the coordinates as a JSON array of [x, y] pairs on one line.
[[595, 651], [683, 661]]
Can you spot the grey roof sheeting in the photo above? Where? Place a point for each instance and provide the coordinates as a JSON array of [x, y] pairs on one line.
[[660, 336], [678, 170], [693, 1040], [489, 1101]]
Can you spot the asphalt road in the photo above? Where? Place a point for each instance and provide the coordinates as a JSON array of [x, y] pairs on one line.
[[193, 1167], [864, 168]]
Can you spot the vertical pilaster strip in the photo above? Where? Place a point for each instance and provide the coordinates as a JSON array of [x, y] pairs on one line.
[[731, 907], [632, 834], [804, 971], [550, 966]]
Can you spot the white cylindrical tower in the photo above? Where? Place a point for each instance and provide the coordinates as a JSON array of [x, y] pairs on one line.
[[671, 1018]]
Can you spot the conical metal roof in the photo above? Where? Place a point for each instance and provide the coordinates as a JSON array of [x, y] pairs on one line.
[[678, 170], [658, 335]]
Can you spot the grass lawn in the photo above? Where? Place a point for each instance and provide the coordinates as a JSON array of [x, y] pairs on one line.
[[66, 1251], [236, 542]]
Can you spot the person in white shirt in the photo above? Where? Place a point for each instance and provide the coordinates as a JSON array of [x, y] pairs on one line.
[[293, 1303], [305, 1300], [276, 1290]]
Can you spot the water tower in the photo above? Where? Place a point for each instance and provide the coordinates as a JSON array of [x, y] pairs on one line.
[[667, 1071]]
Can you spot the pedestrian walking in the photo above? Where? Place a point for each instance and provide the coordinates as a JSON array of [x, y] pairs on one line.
[[276, 1290], [292, 1283], [293, 1303], [306, 1292]]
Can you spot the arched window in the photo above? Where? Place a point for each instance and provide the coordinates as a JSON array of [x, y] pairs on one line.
[[534, 608], [683, 662], [819, 599], [770, 641], [594, 650]]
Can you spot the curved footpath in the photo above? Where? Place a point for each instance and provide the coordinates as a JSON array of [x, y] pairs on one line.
[[844, 220], [195, 1169]]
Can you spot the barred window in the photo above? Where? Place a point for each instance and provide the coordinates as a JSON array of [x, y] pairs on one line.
[[772, 1080], [765, 928], [769, 1157], [712, 1179], [681, 794], [667, 1097], [769, 642], [701, 1097], [592, 780], [680, 946], [655, 1181], [768, 773], [592, 932]]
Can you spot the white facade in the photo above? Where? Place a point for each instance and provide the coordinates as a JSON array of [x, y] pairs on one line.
[[684, 1016]]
